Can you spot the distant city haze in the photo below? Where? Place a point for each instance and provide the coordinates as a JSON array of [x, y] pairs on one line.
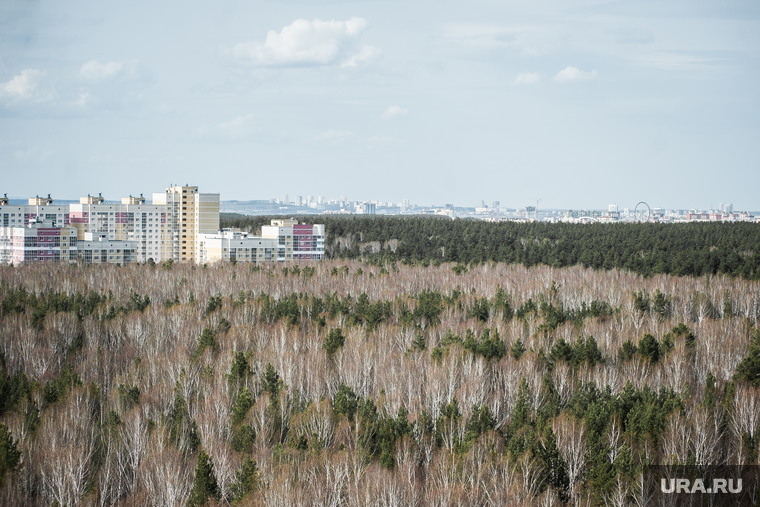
[[560, 104]]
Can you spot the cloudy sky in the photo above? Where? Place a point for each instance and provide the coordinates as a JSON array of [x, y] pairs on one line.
[[580, 103]]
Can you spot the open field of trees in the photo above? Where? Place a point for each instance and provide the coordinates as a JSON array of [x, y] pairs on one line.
[[347, 383], [693, 249]]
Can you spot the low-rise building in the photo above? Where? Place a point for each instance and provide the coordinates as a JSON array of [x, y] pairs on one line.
[[38, 241], [235, 245], [99, 250], [283, 240], [296, 241]]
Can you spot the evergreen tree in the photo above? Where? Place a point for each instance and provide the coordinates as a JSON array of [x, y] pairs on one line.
[[748, 369], [271, 383], [204, 484], [9, 455], [333, 341], [518, 349], [245, 480], [206, 340]]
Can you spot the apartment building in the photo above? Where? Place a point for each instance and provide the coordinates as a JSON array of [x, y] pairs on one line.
[[20, 215], [101, 251], [37, 242], [132, 230], [283, 240], [296, 241], [191, 214], [147, 225], [233, 244]]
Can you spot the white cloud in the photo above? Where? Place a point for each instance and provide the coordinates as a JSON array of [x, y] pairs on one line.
[[334, 137], [569, 74], [96, 71], [237, 125], [526, 78], [365, 55], [310, 43], [393, 112], [25, 86]]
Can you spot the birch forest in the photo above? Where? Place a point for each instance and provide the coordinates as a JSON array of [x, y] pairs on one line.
[[350, 383]]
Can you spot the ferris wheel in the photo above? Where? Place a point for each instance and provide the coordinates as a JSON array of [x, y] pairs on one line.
[[642, 212]]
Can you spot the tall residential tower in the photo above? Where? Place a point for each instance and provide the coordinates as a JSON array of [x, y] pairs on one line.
[[190, 213]]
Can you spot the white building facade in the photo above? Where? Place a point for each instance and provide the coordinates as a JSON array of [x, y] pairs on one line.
[[128, 231]]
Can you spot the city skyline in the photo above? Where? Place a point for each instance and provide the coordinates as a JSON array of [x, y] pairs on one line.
[[404, 203], [580, 103]]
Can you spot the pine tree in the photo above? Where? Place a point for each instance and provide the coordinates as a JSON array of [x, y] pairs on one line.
[[204, 484], [9, 455], [245, 479], [749, 368], [206, 340], [271, 381], [518, 349], [334, 341], [419, 342]]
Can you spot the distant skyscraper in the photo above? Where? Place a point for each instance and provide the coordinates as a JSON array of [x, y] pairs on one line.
[[366, 208], [321, 199], [285, 199], [481, 204], [495, 205], [612, 208], [406, 203], [728, 208], [299, 200], [343, 198]]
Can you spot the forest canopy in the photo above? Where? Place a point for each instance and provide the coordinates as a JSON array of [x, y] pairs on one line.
[[648, 249], [349, 383]]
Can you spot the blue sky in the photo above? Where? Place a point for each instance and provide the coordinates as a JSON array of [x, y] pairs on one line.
[[578, 103]]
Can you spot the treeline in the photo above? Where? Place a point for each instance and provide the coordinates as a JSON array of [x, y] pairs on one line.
[[693, 249], [347, 383]]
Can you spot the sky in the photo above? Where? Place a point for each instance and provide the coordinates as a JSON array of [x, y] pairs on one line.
[[578, 103]]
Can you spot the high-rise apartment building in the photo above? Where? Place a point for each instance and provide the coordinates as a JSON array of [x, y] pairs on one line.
[[191, 213], [147, 225], [132, 230], [19, 215]]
